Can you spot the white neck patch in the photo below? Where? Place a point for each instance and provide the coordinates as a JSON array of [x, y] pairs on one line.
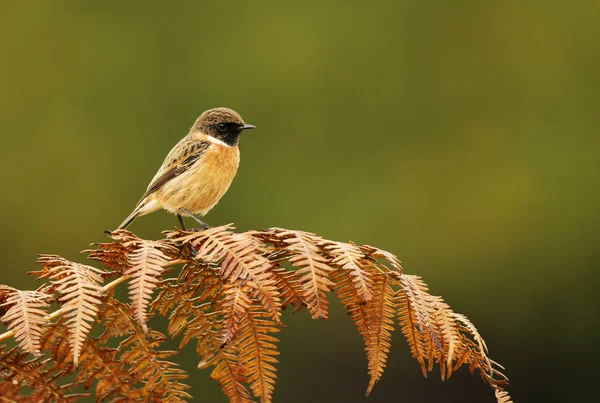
[[217, 141]]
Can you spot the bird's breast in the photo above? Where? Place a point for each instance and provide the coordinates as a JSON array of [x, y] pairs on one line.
[[201, 187]]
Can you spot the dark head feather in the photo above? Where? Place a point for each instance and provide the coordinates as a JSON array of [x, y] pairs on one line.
[[221, 123]]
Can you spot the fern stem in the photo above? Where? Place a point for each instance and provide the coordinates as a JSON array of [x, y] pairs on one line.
[[114, 283]]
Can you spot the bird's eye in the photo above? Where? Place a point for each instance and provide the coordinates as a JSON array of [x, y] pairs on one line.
[[222, 127]]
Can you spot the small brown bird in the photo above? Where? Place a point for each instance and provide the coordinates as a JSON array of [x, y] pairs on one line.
[[198, 170]]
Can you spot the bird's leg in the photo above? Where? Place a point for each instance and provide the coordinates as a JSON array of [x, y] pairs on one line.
[[199, 221], [181, 221]]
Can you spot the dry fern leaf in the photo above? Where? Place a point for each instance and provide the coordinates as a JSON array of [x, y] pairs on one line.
[[380, 312], [377, 253], [374, 319], [57, 341], [240, 256], [446, 329], [350, 257], [313, 271], [26, 315], [502, 396], [19, 371], [234, 304], [230, 377], [471, 349], [424, 309], [99, 364], [196, 281], [411, 329], [112, 255], [115, 317], [140, 362], [290, 288], [145, 365], [437, 334], [81, 294], [256, 350], [196, 321], [355, 307], [146, 261]]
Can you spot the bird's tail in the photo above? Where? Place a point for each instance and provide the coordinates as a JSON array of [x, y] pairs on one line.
[[144, 207], [134, 214]]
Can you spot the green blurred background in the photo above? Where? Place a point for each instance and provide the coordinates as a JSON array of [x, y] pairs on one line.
[[462, 136]]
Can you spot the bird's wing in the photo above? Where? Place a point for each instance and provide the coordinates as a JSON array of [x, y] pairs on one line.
[[181, 158]]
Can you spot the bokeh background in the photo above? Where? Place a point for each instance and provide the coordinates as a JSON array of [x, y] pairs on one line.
[[462, 136]]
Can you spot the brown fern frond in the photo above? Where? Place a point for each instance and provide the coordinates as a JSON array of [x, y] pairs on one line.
[[437, 334], [146, 261], [256, 351], [502, 396], [290, 288], [449, 334], [424, 312], [240, 256], [141, 363], [230, 377], [411, 329], [18, 371], [374, 318], [81, 293], [99, 364], [350, 257], [352, 302], [145, 365], [471, 350], [470, 328], [235, 253], [57, 340], [26, 315], [115, 317], [196, 281], [377, 253], [112, 255], [199, 322], [227, 298], [313, 271], [380, 312], [234, 304]]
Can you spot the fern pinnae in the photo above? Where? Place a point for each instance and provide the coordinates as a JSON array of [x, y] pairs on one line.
[[26, 315], [19, 370], [381, 312], [466, 324], [290, 288], [424, 308], [240, 256], [81, 294], [502, 396], [377, 253], [234, 304], [409, 327], [257, 351], [312, 268], [228, 298], [112, 255], [449, 332], [146, 260], [349, 257], [230, 375]]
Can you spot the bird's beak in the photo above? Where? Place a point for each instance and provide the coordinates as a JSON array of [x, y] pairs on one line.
[[246, 126]]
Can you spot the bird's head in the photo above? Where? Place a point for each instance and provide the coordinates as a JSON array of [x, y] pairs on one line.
[[223, 124]]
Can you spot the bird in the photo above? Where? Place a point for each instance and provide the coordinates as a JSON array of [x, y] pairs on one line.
[[198, 170]]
